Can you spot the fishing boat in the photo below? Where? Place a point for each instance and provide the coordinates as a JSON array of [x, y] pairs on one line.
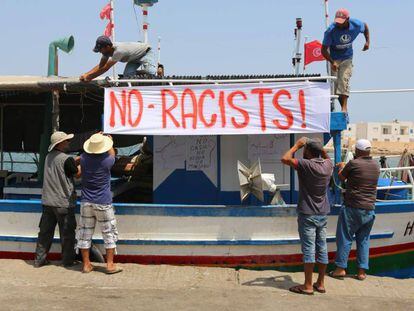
[[189, 204]]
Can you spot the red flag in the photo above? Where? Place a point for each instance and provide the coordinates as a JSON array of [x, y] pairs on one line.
[[313, 52], [108, 29], [106, 12]]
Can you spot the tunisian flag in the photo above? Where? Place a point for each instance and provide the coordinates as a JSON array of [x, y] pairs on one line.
[[108, 29], [313, 52], [106, 12]]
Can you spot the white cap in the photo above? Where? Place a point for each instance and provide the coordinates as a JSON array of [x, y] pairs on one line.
[[363, 145]]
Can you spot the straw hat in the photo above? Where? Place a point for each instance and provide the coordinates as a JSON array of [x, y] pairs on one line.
[[98, 144], [57, 138]]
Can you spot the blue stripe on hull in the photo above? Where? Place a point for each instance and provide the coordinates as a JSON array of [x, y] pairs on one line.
[[294, 241]]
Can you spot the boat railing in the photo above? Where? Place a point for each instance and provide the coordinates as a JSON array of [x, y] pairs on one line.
[[409, 185]]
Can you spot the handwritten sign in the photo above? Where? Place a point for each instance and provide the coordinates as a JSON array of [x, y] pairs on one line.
[[248, 108], [200, 152], [267, 147], [170, 152]]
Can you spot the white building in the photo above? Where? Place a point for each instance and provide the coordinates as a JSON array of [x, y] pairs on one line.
[[395, 131]]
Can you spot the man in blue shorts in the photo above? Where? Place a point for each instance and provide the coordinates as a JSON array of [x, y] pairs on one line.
[[314, 173], [337, 49]]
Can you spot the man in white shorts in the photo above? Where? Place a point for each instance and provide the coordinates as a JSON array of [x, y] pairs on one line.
[[96, 200]]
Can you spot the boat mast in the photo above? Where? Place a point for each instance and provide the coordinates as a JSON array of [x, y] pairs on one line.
[[112, 21], [159, 51], [328, 68], [298, 56]]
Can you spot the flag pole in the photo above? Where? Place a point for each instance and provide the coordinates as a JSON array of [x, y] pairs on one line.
[[304, 53], [328, 66], [112, 21]]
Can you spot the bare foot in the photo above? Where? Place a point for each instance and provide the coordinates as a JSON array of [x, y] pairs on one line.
[[88, 268], [301, 289], [361, 275], [338, 273]]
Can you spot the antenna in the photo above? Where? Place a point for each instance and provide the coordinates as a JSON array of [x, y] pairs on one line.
[[145, 4], [253, 181], [159, 51]]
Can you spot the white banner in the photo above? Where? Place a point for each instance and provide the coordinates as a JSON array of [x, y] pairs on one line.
[[248, 108]]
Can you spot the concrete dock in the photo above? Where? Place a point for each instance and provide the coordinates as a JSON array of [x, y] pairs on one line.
[[52, 287]]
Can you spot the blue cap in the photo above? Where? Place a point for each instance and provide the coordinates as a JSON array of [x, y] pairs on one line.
[[101, 42]]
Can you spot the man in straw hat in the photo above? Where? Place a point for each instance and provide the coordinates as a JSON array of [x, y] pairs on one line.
[[357, 216], [58, 200], [96, 201]]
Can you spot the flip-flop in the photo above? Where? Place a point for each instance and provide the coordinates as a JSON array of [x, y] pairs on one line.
[[322, 291], [116, 270], [359, 278], [90, 270], [298, 290], [338, 277]]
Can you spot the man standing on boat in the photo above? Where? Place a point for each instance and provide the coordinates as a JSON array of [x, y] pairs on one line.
[[58, 200], [337, 49], [135, 54], [314, 173], [357, 215], [96, 201]]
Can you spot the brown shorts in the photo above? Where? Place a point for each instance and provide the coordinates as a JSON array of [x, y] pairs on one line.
[[343, 75]]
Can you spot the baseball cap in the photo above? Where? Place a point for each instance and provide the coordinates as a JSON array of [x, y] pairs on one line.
[[101, 42], [315, 146], [363, 145], [341, 16]]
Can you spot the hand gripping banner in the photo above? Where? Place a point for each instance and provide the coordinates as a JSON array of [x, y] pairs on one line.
[[226, 109]]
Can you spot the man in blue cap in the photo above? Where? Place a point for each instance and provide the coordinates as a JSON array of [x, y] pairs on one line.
[[135, 54]]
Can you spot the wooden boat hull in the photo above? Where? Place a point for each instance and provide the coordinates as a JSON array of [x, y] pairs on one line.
[[260, 237]]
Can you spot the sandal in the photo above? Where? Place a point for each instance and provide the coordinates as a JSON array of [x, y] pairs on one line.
[[315, 287], [338, 277], [361, 277], [116, 270], [298, 290]]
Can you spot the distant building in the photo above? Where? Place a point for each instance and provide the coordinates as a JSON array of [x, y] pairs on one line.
[[395, 131]]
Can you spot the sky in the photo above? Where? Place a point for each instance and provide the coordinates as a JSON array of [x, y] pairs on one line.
[[221, 37]]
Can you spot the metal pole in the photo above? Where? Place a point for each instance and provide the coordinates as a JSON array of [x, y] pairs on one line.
[[328, 67], [1, 136], [292, 172], [298, 55], [159, 51], [214, 81], [336, 135], [112, 21], [145, 22], [304, 44]]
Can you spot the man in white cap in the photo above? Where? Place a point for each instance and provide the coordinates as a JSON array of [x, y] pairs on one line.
[[58, 200], [357, 216], [96, 200], [337, 49]]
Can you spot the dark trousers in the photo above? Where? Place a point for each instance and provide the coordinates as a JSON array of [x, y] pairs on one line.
[[65, 218]]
